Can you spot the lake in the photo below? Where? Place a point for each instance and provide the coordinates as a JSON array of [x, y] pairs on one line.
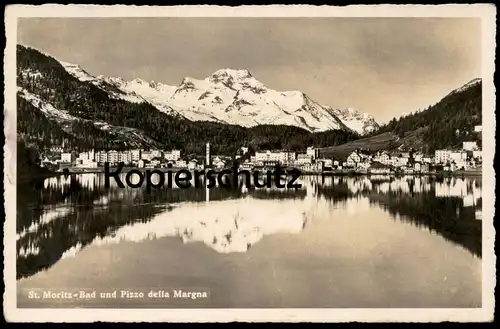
[[336, 242]]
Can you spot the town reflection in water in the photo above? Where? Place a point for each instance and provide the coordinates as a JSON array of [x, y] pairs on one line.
[[60, 216]]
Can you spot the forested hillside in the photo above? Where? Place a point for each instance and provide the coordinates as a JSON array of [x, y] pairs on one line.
[[43, 132], [28, 165], [443, 125], [460, 110]]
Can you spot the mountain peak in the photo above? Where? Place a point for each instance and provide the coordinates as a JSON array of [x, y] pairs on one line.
[[66, 64], [139, 81], [468, 85], [234, 73], [473, 82], [76, 71], [355, 113]]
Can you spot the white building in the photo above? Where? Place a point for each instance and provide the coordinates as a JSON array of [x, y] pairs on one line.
[[113, 156], [326, 162], [57, 149], [478, 129], [364, 164], [156, 153], [469, 146], [176, 154], [67, 157], [246, 166], [46, 160], [379, 168], [314, 152], [399, 161], [86, 156], [280, 156], [169, 156], [424, 167], [408, 170], [383, 157], [353, 159], [154, 163], [220, 165], [418, 166], [147, 155], [477, 154], [442, 156], [181, 164], [313, 167], [304, 159], [459, 160], [193, 164], [102, 157], [358, 159], [289, 157], [207, 156], [461, 164], [125, 157], [86, 163], [135, 155], [216, 160], [418, 157], [458, 156], [173, 155]]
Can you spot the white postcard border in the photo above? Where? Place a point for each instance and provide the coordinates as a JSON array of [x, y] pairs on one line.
[[486, 12]]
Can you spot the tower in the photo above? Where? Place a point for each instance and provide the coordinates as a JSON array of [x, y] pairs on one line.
[[207, 160]]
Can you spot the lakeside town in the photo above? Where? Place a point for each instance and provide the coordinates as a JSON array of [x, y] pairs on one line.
[[467, 158]]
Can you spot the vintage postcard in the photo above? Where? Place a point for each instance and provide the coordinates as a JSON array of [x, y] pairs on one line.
[[253, 163]]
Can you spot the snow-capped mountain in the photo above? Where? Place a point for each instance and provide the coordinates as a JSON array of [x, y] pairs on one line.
[[468, 85], [133, 137], [355, 120], [232, 97]]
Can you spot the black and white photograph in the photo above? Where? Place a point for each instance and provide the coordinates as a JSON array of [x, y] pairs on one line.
[[198, 164]]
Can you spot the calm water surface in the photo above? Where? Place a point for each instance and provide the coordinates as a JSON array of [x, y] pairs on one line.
[[336, 242]]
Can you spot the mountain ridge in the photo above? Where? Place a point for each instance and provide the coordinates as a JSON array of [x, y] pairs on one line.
[[231, 96]]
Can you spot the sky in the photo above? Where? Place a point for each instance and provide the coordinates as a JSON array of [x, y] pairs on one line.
[[386, 67]]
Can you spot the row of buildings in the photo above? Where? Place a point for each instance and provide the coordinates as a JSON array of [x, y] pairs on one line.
[[137, 157], [308, 161], [157, 158], [380, 162], [467, 158]]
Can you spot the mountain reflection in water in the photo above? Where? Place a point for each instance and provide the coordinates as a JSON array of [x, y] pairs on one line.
[[62, 215]]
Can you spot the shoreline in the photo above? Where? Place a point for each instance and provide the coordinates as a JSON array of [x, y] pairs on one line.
[[443, 174], [75, 171]]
